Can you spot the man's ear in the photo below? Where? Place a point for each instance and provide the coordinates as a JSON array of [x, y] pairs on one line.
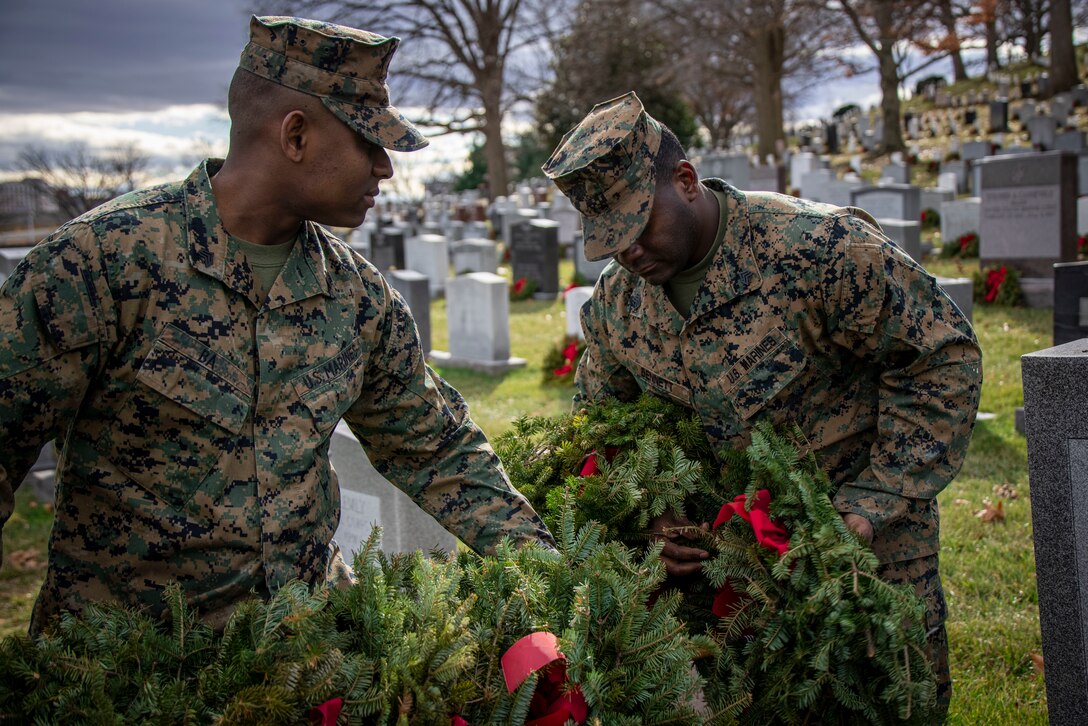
[[686, 180], [294, 132]]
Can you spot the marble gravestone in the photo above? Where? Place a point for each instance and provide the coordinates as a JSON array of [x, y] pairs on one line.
[[1029, 218], [962, 292], [1071, 303], [587, 270], [906, 235], [1055, 391], [478, 319], [767, 178], [387, 248], [731, 168], [534, 255], [415, 288], [429, 254], [10, 257], [889, 201], [573, 300], [368, 499], [474, 254], [960, 217]]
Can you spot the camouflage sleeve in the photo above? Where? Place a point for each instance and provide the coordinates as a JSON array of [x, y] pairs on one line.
[[892, 314], [53, 315], [418, 433], [600, 374]]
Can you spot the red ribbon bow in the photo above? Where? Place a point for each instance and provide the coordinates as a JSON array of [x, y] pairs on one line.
[[327, 713], [555, 699], [569, 354], [519, 285], [769, 534], [589, 468], [993, 283]]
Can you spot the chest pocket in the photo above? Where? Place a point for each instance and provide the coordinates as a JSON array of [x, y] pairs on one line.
[[762, 373], [186, 411], [329, 388]]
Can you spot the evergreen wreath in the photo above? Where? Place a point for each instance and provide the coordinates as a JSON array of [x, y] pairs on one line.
[[523, 289], [998, 286], [816, 635], [561, 361]]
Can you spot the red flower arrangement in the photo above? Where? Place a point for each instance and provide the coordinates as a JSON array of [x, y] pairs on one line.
[[523, 289], [998, 286], [562, 360], [1082, 246]]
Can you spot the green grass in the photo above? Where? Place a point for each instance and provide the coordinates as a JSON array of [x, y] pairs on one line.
[[988, 568]]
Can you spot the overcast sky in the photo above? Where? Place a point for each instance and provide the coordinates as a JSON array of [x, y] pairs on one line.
[[117, 55]]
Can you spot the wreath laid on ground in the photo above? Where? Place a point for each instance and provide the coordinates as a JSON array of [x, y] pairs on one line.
[[930, 219], [1082, 247], [998, 286], [561, 361], [965, 246], [523, 289]]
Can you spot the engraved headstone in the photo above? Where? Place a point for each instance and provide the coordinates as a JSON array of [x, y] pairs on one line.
[[801, 164], [534, 254], [367, 499], [1070, 141], [1029, 214], [1043, 131], [475, 255], [387, 248], [567, 216], [889, 201], [960, 217], [897, 173], [999, 116], [906, 235], [429, 254], [416, 290], [1055, 384], [962, 292], [478, 318]]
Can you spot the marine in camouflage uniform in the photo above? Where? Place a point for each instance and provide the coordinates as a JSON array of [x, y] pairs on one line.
[[193, 409], [805, 313]]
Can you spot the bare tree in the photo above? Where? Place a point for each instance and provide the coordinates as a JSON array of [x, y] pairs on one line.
[[890, 28], [79, 179], [473, 59]]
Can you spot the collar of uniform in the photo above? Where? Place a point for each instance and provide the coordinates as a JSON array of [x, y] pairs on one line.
[[734, 270], [210, 251]]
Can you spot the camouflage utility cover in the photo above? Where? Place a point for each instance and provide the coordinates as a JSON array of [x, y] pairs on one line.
[[194, 418], [344, 67], [605, 166], [809, 315]]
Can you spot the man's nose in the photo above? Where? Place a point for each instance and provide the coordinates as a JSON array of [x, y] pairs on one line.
[[631, 254]]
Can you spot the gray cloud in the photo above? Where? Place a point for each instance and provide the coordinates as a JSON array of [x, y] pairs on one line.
[[114, 55]]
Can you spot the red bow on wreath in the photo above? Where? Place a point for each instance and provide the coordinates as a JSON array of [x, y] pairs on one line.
[[569, 354], [555, 699], [589, 468], [994, 278], [327, 713], [769, 534], [519, 285]]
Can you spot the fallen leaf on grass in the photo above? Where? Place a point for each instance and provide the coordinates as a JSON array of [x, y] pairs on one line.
[[961, 502], [990, 513], [24, 559], [1037, 661], [1006, 491]]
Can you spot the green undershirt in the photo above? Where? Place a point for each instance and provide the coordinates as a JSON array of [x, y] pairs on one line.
[[265, 261], [682, 288]]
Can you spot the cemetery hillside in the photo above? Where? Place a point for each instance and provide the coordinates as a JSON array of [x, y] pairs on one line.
[[980, 179]]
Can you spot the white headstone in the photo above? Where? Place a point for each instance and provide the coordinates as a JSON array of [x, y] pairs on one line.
[[368, 499], [478, 318], [960, 217], [475, 255], [429, 254], [574, 299]]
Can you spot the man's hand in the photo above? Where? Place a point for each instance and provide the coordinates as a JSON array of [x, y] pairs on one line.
[[861, 526], [679, 560]]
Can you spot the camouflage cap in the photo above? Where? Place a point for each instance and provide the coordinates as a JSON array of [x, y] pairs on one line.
[[344, 67], [605, 165]]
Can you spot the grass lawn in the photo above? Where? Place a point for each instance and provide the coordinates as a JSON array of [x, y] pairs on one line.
[[988, 567]]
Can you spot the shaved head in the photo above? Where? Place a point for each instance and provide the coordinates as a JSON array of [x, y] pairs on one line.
[[254, 103]]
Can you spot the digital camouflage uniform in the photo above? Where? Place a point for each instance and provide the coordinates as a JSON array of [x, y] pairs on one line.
[[807, 315], [193, 418]]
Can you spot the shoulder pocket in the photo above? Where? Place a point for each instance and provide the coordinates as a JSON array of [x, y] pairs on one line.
[[861, 287]]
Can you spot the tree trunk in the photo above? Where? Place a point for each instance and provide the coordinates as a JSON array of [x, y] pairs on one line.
[[948, 19], [494, 147], [1063, 60], [769, 46], [993, 63], [889, 79]]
